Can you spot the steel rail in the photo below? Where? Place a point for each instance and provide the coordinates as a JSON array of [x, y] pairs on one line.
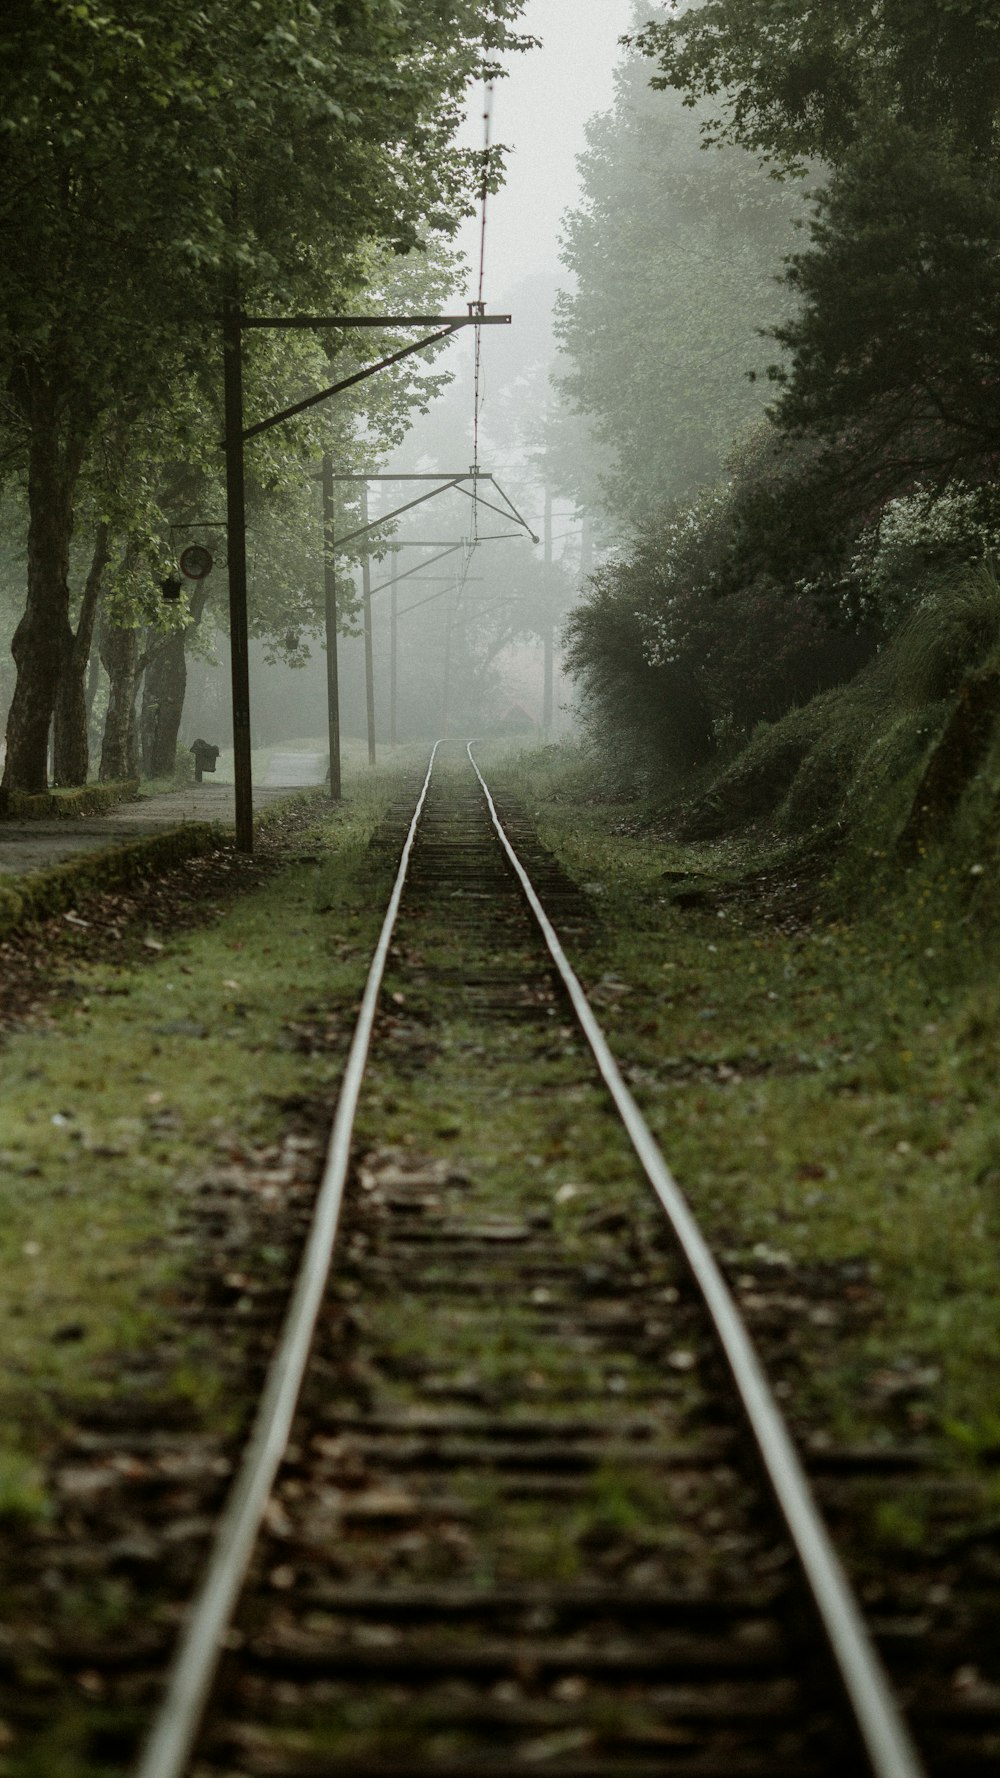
[[178, 1720], [887, 1741]]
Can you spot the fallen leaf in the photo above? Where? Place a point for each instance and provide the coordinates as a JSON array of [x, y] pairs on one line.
[[568, 1191]]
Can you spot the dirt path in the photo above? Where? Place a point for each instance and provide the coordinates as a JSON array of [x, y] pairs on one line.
[[36, 845]]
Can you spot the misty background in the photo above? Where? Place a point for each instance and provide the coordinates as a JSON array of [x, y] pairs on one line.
[[490, 633], [637, 270]]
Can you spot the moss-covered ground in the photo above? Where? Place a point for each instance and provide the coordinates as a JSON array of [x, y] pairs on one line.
[[149, 1065], [824, 1087]]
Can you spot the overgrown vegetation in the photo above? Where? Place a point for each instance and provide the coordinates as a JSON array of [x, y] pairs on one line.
[[824, 1087], [191, 1043], [760, 647], [158, 164]]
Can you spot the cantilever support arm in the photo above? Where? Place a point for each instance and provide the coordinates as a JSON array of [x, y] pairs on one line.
[[299, 407], [506, 497], [376, 524], [307, 321], [505, 511], [447, 324], [478, 498]]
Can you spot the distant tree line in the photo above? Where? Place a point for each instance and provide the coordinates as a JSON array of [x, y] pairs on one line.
[[156, 156], [876, 343]]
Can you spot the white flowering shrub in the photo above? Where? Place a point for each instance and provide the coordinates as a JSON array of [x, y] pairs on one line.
[[686, 575], [917, 532]]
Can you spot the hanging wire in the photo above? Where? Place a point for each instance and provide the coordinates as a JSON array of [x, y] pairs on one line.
[[478, 380]]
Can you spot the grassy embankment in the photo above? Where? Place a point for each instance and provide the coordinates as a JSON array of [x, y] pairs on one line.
[[807, 1005], [148, 1069]]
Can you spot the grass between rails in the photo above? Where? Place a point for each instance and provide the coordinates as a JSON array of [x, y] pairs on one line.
[[510, 1105], [825, 1092], [144, 1074]]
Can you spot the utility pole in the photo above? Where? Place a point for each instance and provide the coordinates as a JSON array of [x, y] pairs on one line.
[[237, 434], [239, 647], [393, 641], [366, 587], [447, 667], [547, 632], [330, 592]]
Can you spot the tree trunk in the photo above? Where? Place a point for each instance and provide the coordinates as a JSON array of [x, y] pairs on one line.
[[163, 694], [120, 658], [70, 745], [44, 635], [93, 681]]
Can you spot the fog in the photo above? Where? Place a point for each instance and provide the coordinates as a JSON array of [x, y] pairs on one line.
[[473, 635], [677, 253], [539, 115]]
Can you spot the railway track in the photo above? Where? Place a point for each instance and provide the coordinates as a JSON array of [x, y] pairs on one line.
[[501, 1509]]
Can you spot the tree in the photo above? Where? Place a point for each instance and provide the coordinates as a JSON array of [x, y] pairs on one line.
[[796, 83], [286, 581], [896, 334], [674, 255], [890, 348], [683, 638], [70, 744], [155, 153]]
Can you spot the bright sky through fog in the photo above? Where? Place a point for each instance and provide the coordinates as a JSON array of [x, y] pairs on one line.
[[539, 111]]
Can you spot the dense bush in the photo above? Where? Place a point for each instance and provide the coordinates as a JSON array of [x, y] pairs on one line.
[[924, 534], [953, 627], [646, 717], [741, 604], [681, 643], [859, 744]]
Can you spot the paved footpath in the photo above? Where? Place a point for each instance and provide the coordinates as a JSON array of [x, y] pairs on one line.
[[36, 845]]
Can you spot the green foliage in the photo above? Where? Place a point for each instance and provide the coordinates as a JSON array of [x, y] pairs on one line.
[[684, 640], [673, 255], [191, 139], [23, 1499], [953, 627], [794, 84], [644, 718], [156, 157], [847, 759], [890, 348], [896, 329], [916, 533]]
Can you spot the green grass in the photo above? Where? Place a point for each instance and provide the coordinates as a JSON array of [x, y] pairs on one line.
[[148, 1075], [828, 1091]]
